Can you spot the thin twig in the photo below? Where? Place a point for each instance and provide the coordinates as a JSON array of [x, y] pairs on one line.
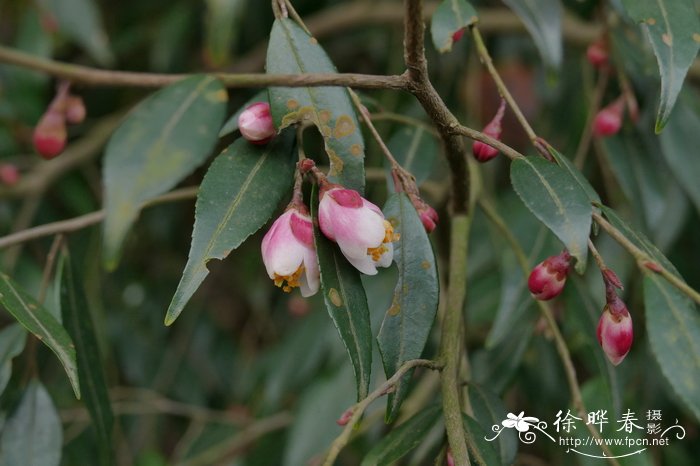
[[644, 261], [368, 121], [48, 268], [359, 408], [78, 223], [587, 136], [502, 89], [486, 139], [559, 341]]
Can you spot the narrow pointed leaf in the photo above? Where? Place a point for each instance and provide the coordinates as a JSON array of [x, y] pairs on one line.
[[41, 323], [489, 410], [293, 51], [449, 17], [33, 436], [161, 141], [402, 439], [581, 180], [78, 321], [239, 193], [558, 200], [542, 19], [673, 325], [12, 340], [410, 317], [673, 28], [481, 451], [346, 303], [416, 149]]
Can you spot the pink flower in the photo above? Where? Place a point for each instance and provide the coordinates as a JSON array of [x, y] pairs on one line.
[[358, 226], [547, 279], [608, 121], [483, 152], [255, 123], [289, 255], [615, 332]]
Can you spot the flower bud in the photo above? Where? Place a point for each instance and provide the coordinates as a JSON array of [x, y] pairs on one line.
[[429, 217], [483, 152], [345, 417], [75, 109], [449, 459], [457, 35], [9, 174], [547, 279], [255, 123], [608, 121], [364, 236], [50, 134], [615, 331], [597, 54]]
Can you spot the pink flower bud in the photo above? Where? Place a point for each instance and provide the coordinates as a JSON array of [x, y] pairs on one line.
[[547, 279], [483, 152], [615, 331], [457, 35], [9, 174], [50, 134], [608, 121], [75, 109], [429, 217], [449, 459], [597, 54], [255, 123], [345, 417], [289, 255], [365, 238]]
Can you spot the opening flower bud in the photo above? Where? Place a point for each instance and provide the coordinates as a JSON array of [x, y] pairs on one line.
[[615, 333], [429, 218], [548, 278], [483, 152], [364, 236], [9, 174], [255, 123], [597, 53], [608, 121], [50, 134]]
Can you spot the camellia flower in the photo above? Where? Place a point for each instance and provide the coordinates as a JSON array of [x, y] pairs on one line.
[[289, 254], [255, 123], [358, 226], [548, 278], [615, 332]]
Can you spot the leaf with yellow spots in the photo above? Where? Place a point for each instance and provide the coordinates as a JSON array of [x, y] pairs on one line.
[[346, 303], [159, 143], [673, 27], [292, 51], [407, 323]]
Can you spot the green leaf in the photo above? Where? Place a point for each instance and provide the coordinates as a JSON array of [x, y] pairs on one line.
[[449, 17], [581, 180], [166, 137], [41, 323], [239, 193], [231, 124], [673, 28], [410, 317], [12, 340], [673, 325], [402, 439], [33, 436], [481, 451], [80, 20], [78, 321], [542, 19], [558, 200], [293, 51], [415, 149], [346, 303], [222, 28], [489, 410], [679, 143]]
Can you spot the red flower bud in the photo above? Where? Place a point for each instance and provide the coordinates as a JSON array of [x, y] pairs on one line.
[[345, 417], [547, 279], [50, 134], [597, 53], [457, 35], [429, 217], [615, 331], [75, 109], [483, 152], [255, 123], [9, 174], [608, 121]]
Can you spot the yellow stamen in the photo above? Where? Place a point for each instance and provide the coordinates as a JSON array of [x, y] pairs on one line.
[[389, 237], [292, 280]]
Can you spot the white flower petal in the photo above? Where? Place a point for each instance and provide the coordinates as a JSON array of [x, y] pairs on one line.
[[311, 280], [363, 264], [387, 257]]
